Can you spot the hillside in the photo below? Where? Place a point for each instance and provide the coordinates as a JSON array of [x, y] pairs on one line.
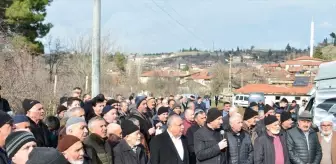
[[329, 52]]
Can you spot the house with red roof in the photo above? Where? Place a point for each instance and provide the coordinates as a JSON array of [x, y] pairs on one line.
[[276, 92], [202, 77]]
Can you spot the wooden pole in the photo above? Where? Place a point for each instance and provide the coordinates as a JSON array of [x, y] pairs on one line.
[[55, 88], [86, 84]]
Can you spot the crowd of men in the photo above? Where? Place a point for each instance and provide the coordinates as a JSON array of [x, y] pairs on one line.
[[171, 130]]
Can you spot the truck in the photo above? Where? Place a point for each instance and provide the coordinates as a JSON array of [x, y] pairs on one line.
[[322, 103]]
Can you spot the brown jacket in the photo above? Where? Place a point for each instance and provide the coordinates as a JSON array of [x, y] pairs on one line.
[[333, 146]]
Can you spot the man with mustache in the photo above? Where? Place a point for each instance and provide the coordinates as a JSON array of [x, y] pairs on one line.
[[327, 138], [302, 142], [270, 147]]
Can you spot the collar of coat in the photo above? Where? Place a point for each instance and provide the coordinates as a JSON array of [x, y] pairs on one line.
[[97, 138]]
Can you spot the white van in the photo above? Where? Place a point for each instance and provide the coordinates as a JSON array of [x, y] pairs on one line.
[[322, 103], [241, 100]]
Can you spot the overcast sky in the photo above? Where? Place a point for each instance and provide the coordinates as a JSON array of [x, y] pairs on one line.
[[145, 25]]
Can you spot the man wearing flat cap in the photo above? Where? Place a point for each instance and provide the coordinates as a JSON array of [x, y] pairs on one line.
[[35, 113], [270, 147], [209, 140], [302, 142]]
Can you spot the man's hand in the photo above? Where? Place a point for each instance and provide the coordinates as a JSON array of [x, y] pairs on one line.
[[158, 125], [151, 131], [222, 144]]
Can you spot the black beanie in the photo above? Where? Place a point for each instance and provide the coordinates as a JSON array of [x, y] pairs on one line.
[[249, 113], [213, 114], [163, 110], [27, 104], [128, 127], [285, 116], [252, 104], [112, 101], [267, 108], [270, 119]]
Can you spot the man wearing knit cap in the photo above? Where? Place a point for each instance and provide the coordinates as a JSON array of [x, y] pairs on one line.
[[210, 142], [72, 149], [254, 106], [250, 120], [176, 109], [6, 125], [270, 147], [61, 111], [110, 114], [129, 150], [21, 122], [161, 121], [260, 126], [146, 126], [302, 142], [19, 145], [43, 155], [35, 113], [76, 126], [286, 121]]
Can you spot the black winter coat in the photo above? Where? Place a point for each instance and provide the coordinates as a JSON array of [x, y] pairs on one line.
[[206, 146], [190, 137], [298, 148], [145, 123], [264, 152], [243, 155], [123, 154], [163, 150], [41, 134]]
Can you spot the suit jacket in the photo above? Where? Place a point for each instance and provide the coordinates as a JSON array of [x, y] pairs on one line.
[[163, 150]]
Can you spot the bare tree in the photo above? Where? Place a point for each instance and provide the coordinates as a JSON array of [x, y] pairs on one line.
[[221, 77], [56, 56]]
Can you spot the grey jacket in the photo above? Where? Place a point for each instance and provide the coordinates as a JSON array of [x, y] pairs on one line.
[[240, 148], [206, 146], [299, 153]]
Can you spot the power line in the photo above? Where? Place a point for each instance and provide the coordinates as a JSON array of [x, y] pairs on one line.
[[178, 22]]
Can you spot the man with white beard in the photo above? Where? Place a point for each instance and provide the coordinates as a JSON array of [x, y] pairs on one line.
[[129, 150], [72, 149], [270, 147], [327, 138]]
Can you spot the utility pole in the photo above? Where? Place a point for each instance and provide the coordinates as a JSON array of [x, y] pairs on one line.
[[96, 48], [230, 77]]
